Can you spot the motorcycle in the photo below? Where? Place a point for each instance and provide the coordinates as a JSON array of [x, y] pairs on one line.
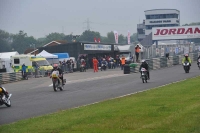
[[198, 63], [144, 75], [57, 83], [82, 68], [4, 99], [103, 67], [186, 66]]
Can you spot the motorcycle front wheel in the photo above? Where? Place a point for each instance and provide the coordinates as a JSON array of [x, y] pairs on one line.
[[8, 103], [55, 85]]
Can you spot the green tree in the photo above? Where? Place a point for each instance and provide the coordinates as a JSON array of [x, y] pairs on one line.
[[68, 38], [122, 39], [21, 42], [5, 40], [89, 36], [54, 37], [111, 37], [104, 39], [134, 37]]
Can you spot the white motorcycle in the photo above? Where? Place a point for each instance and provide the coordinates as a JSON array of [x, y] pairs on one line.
[[144, 75], [186, 66], [57, 82], [3, 99]]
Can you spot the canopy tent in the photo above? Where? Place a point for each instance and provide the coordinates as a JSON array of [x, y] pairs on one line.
[[51, 58], [47, 55], [124, 48], [8, 54]]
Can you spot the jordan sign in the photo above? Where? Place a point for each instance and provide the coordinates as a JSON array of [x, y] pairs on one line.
[[175, 33]]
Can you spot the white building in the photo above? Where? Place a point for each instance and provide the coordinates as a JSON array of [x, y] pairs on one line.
[[158, 18], [161, 18]]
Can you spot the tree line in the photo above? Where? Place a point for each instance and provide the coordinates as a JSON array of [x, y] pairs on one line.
[[21, 41]]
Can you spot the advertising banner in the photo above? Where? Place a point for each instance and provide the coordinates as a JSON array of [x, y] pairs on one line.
[[129, 37], [116, 36], [175, 33], [97, 47]]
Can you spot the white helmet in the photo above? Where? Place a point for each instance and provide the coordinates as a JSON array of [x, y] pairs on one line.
[[143, 61]]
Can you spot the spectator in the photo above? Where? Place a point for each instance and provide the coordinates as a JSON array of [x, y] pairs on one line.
[[137, 51], [123, 61], [95, 64]]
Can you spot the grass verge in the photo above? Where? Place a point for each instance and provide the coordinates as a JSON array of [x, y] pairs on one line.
[[172, 108]]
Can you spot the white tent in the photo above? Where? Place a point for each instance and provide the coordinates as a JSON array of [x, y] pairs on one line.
[[45, 54]]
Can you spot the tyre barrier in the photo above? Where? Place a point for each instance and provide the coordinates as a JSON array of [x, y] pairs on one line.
[[156, 63], [10, 77]]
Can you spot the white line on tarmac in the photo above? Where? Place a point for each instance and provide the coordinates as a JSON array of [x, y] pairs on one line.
[[93, 78]]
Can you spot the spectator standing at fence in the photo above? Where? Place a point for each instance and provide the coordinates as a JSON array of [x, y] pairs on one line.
[[72, 64], [68, 66], [23, 69], [64, 66], [95, 64], [123, 61], [167, 53], [137, 51]]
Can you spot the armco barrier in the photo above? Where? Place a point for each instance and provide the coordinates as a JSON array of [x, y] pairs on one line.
[[156, 63], [10, 77]]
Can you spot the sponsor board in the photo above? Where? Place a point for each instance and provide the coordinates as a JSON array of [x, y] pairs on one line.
[[97, 47], [182, 32]]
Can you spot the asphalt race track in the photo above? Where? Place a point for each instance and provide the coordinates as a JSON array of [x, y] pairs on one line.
[[35, 97]]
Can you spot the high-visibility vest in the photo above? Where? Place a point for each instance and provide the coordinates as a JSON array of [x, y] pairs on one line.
[[123, 61]]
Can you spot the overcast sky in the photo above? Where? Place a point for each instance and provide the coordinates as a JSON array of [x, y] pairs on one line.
[[38, 18]]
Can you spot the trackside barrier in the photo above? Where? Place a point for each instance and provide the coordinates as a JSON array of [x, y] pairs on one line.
[[156, 63], [10, 77]]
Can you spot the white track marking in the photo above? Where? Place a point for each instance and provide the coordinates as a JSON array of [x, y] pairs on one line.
[[93, 78]]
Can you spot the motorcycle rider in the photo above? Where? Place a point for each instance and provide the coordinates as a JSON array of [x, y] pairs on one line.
[[4, 92], [83, 63], [146, 66], [187, 58], [56, 68], [198, 60], [104, 62]]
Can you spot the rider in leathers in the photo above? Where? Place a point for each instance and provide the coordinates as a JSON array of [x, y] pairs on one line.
[[55, 67], [146, 66], [187, 58], [4, 91], [198, 60]]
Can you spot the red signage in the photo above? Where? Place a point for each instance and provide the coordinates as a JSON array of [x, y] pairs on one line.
[[170, 33]]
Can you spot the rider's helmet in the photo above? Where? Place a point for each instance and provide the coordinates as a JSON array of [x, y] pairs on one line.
[[186, 55], [143, 61], [55, 66]]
